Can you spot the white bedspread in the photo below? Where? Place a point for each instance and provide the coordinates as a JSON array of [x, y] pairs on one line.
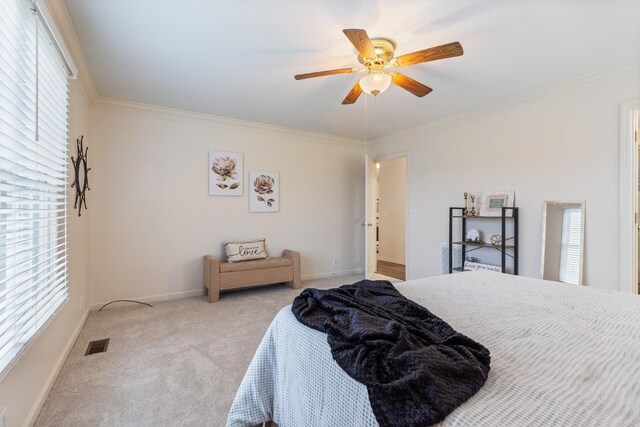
[[561, 355]]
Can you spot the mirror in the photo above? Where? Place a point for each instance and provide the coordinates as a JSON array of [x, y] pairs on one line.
[[81, 175], [563, 241]]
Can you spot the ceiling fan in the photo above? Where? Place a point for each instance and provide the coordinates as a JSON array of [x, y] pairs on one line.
[[377, 55]]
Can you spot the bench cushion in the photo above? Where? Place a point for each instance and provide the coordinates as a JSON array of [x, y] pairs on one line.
[[258, 264]]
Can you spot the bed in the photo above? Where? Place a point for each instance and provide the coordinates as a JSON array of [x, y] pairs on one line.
[[561, 355]]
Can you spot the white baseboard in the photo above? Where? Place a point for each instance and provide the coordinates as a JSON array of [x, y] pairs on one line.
[[336, 273], [46, 388], [156, 298], [198, 292]]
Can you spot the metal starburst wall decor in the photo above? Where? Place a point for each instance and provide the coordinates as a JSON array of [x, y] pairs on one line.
[[81, 169]]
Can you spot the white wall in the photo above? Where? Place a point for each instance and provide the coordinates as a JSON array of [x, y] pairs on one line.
[[561, 145], [26, 385], [392, 209], [153, 220]]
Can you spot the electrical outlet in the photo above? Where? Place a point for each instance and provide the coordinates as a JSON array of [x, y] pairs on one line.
[[335, 262], [413, 213], [81, 308]]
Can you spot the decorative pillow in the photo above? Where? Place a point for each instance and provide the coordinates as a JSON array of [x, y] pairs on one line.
[[245, 251]]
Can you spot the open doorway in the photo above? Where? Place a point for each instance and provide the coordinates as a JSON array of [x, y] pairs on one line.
[[630, 196], [391, 217]]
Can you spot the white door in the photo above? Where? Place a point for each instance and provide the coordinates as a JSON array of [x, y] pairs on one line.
[[369, 224], [636, 185]]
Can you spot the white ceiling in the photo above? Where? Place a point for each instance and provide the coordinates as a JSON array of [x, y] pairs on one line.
[[237, 58]]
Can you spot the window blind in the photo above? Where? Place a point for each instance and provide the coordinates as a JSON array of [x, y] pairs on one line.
[[571, 244], [33, 177]]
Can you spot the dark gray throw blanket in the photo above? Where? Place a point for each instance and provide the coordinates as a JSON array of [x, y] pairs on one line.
[[416, 367]]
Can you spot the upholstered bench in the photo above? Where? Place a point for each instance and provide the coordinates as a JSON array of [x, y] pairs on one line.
[[223, 276]]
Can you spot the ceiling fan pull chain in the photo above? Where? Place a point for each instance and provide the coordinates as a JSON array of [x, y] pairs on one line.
[[365, 123]]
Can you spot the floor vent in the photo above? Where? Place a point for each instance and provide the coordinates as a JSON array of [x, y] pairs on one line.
[[99, 346]]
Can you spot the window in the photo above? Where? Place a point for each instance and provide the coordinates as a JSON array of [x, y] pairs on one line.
[[33, 177], [571, 245]]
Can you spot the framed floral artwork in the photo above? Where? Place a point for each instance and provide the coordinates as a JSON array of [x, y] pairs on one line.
[[225, 173], [264, 191]]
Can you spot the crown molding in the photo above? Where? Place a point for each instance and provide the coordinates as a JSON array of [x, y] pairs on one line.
[[64, 24], [168, 113], [612, 74]]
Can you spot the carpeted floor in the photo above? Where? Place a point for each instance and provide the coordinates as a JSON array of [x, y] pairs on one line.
[[177, 364]]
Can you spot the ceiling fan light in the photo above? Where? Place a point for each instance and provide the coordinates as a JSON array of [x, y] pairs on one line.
[[375, 83]]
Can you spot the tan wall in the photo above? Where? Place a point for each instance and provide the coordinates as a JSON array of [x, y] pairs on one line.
[[561, 145], [153, 219]]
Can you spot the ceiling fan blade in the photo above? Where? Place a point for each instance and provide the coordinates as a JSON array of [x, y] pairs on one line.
[[325, 73], [408, 84], [353, 94], [448, 50], [361, 42]]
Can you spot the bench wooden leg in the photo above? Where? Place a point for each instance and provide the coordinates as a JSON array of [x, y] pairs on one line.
[[214, 295], [212, 278], [295, 257]]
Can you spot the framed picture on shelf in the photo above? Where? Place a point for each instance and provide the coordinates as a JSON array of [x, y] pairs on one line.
[[492, 202]]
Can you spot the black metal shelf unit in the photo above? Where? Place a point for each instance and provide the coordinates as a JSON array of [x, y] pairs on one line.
[[503, 247]]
